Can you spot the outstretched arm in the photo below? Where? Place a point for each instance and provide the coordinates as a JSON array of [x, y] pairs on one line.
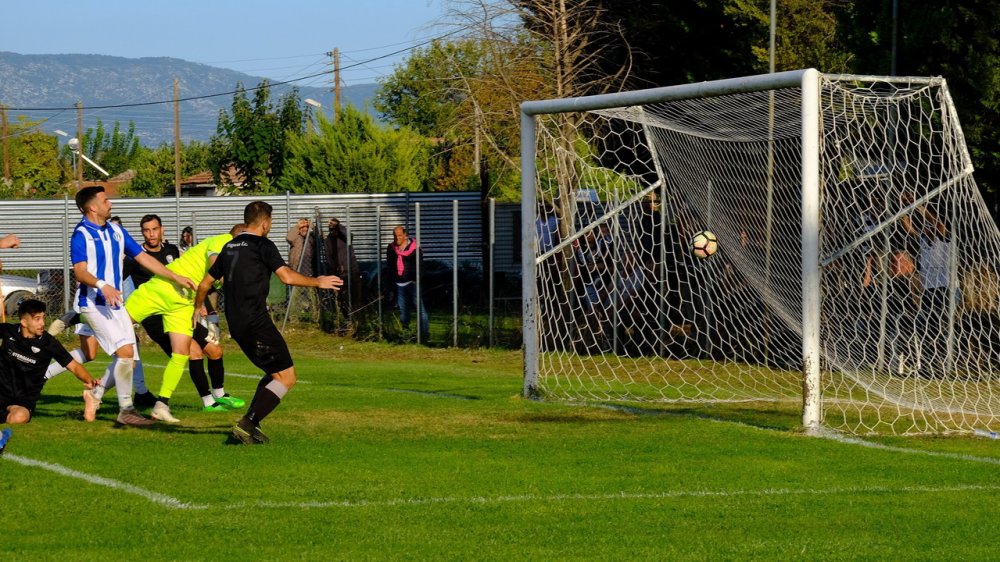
[[289, 276], [157, 268], [81, 373]]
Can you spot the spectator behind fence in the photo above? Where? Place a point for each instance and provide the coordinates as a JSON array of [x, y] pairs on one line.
[[401, 265], [187, 239], [344, 264], [301, 240]]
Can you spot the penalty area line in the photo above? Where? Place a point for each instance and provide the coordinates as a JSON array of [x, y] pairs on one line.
[[154, 497], [679, 494]]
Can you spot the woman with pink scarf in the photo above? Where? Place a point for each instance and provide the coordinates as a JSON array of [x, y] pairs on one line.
[[401, 263]]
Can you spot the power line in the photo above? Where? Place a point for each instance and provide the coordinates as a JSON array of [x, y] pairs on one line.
[[255, 88]]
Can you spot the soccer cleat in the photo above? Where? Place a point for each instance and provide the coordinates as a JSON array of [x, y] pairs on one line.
[[215, 407], [230, 402], [4, 439], [90, 406], [242, 435], [161, 412], [258, 436], [131, 417], [59, 324], [145, 400]]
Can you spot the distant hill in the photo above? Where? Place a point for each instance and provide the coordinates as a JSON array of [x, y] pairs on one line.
[[58, 81]]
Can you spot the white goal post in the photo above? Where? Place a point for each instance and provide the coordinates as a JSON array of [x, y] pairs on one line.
[[857, 271]]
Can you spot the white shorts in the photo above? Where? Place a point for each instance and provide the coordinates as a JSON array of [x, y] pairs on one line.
[[111, 326]]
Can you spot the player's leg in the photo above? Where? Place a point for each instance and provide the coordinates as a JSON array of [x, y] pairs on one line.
[[196, 370], [266, 349], [84, 354], [177, 323], [217, 372], [207, 340], [17, 414]]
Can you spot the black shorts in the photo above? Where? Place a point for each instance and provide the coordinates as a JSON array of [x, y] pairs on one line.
[[154, 329], [264, 347], [6, 401]]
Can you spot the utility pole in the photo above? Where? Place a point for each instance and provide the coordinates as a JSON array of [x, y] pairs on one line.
[[3, 135], [335, 53], [177, 138], [79, 138]]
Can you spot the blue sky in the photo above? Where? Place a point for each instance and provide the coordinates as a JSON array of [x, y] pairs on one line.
[[277, 39]]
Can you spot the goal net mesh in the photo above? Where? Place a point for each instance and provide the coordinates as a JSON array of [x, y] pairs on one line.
[[910, 290]]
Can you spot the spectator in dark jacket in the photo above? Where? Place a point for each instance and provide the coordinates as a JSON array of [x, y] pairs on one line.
[[401, 264], [344, 264]]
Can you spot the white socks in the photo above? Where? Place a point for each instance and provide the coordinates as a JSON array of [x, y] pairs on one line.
[[122, 369]]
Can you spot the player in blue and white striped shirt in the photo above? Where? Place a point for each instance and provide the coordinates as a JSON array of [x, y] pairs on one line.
[[97, 250]]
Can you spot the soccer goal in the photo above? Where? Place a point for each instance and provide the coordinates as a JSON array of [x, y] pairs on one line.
[[794, 237]]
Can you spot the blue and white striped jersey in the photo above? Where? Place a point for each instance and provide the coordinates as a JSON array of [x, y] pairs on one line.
[[104, 249]]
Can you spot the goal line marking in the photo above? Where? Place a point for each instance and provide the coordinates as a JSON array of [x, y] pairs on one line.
[[153, 497]]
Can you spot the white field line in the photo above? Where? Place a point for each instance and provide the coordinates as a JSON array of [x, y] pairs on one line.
[[678, 494], [153, 497], [826, 434], [228, 374], [174, 503], [871, 445]]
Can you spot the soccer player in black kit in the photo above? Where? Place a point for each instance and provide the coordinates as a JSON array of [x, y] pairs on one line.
[[25, 352], [245, 266]]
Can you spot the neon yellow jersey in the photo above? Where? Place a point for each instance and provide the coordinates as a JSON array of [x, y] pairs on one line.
[[193, 264]]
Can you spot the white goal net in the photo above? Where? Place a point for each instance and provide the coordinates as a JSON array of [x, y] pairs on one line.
[[903, 265]]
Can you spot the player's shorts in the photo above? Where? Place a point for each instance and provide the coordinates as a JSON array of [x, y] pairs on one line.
[[264, 347], [83, 329], [155, 331], [111, 326], [6, 402], [157, 296]]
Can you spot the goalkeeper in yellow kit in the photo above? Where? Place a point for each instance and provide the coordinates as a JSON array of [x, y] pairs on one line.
[[176, 305]]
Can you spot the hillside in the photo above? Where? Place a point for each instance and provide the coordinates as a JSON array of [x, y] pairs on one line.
[[51, 82]]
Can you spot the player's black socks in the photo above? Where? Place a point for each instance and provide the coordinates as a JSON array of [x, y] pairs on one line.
[[217, 372], [165, 400], [196, 368], [266, 399]]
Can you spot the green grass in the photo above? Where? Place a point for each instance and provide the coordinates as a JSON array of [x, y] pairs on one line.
[[404, 452]]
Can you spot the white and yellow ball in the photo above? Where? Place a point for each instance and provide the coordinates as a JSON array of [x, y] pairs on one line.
[[704, 244]]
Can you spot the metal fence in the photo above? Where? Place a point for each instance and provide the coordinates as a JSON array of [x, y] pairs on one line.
[[470, 273]]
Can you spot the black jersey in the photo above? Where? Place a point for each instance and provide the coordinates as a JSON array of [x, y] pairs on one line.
[[23, 362], [167, 254], [245, 266]]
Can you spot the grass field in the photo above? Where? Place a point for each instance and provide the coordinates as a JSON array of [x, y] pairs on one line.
[[404, 452]]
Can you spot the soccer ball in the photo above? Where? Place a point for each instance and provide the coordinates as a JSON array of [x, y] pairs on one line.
[[704, 244]]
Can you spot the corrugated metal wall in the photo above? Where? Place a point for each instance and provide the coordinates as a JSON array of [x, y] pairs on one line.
[[44, 226]]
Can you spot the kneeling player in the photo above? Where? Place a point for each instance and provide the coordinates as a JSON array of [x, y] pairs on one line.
[[25, 352]]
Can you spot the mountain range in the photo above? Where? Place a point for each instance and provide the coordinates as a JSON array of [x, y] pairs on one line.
[[46, 87]]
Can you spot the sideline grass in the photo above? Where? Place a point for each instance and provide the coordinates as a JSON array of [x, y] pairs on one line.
[[403, 452]]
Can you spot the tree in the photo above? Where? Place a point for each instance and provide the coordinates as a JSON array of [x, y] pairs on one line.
[[428, 95], [806, 33], [253, 137], [34, 163], [116, 151], [154, 168], [355, 155], [957, 40]]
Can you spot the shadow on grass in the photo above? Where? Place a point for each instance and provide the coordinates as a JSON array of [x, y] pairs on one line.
[[768, 416]]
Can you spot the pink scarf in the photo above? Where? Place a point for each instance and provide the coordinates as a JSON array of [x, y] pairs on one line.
[[400, 254]]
